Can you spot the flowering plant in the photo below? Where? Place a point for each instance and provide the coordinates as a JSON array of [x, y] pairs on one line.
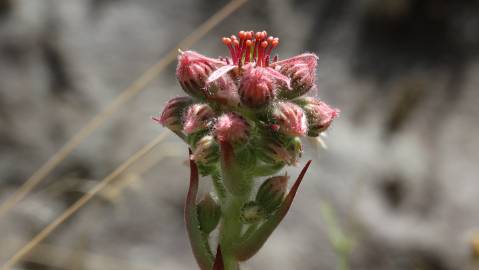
[[243, 119]]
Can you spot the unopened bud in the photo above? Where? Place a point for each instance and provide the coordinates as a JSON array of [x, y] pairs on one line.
[[197, 118], [209, 213], [290, 118], [251, 213], [301, 70], [281, 151], [271, 193], [232, 128], [193, 70], [256, 87], [223, 90], [206, 151], [319, 114], [171, 117]]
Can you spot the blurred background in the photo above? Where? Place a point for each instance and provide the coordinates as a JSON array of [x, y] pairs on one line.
[[396, 188]]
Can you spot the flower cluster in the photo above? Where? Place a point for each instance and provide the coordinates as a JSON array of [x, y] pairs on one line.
[[248, 99], [243, 119]]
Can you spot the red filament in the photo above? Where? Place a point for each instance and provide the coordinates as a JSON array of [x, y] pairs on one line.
[[251, 47]]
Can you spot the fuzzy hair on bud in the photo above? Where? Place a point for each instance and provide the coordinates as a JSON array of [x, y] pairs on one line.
[[277, 151], [231, 128], [197, 118], [271, 193], [256, 88], [171, 117], [206, 151], [290, 118], [319, 114], [221, 88], [301, 70], [193, 70]]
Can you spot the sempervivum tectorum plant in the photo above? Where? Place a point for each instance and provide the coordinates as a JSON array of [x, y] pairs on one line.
[[243, 119]]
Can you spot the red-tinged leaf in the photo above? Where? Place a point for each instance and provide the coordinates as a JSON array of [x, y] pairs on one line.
[[250, 246], [198, 240], [218, 265]]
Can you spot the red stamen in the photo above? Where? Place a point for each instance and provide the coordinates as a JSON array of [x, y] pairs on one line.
[[249, 46], [255, 50], [241, 34], [237, 51], [227, 42], [264, 34], [249, 43], [262, 47], [273, 42]]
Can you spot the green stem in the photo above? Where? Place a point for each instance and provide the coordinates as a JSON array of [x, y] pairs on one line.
[[231, 229], [219, 187]]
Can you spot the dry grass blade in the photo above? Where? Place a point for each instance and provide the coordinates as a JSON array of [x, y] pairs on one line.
[[126, 95], [43, 254], [82, 201]]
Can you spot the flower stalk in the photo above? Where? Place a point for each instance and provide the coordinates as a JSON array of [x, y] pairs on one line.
[[243, 118]]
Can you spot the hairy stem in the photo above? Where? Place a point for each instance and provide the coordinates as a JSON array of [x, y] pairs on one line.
[[219, 187], [231, 229]]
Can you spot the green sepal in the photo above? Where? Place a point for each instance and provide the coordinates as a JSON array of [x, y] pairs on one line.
[[271, 193], [209, 214]]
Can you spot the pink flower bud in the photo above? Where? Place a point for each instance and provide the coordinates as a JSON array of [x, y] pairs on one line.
[[221, 88], [206, 151], [276, 151], [257, 87], [301, 70], [193, 70], [172, 113], [232, 128], [290, 119], [197, 118], [319, 114]]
